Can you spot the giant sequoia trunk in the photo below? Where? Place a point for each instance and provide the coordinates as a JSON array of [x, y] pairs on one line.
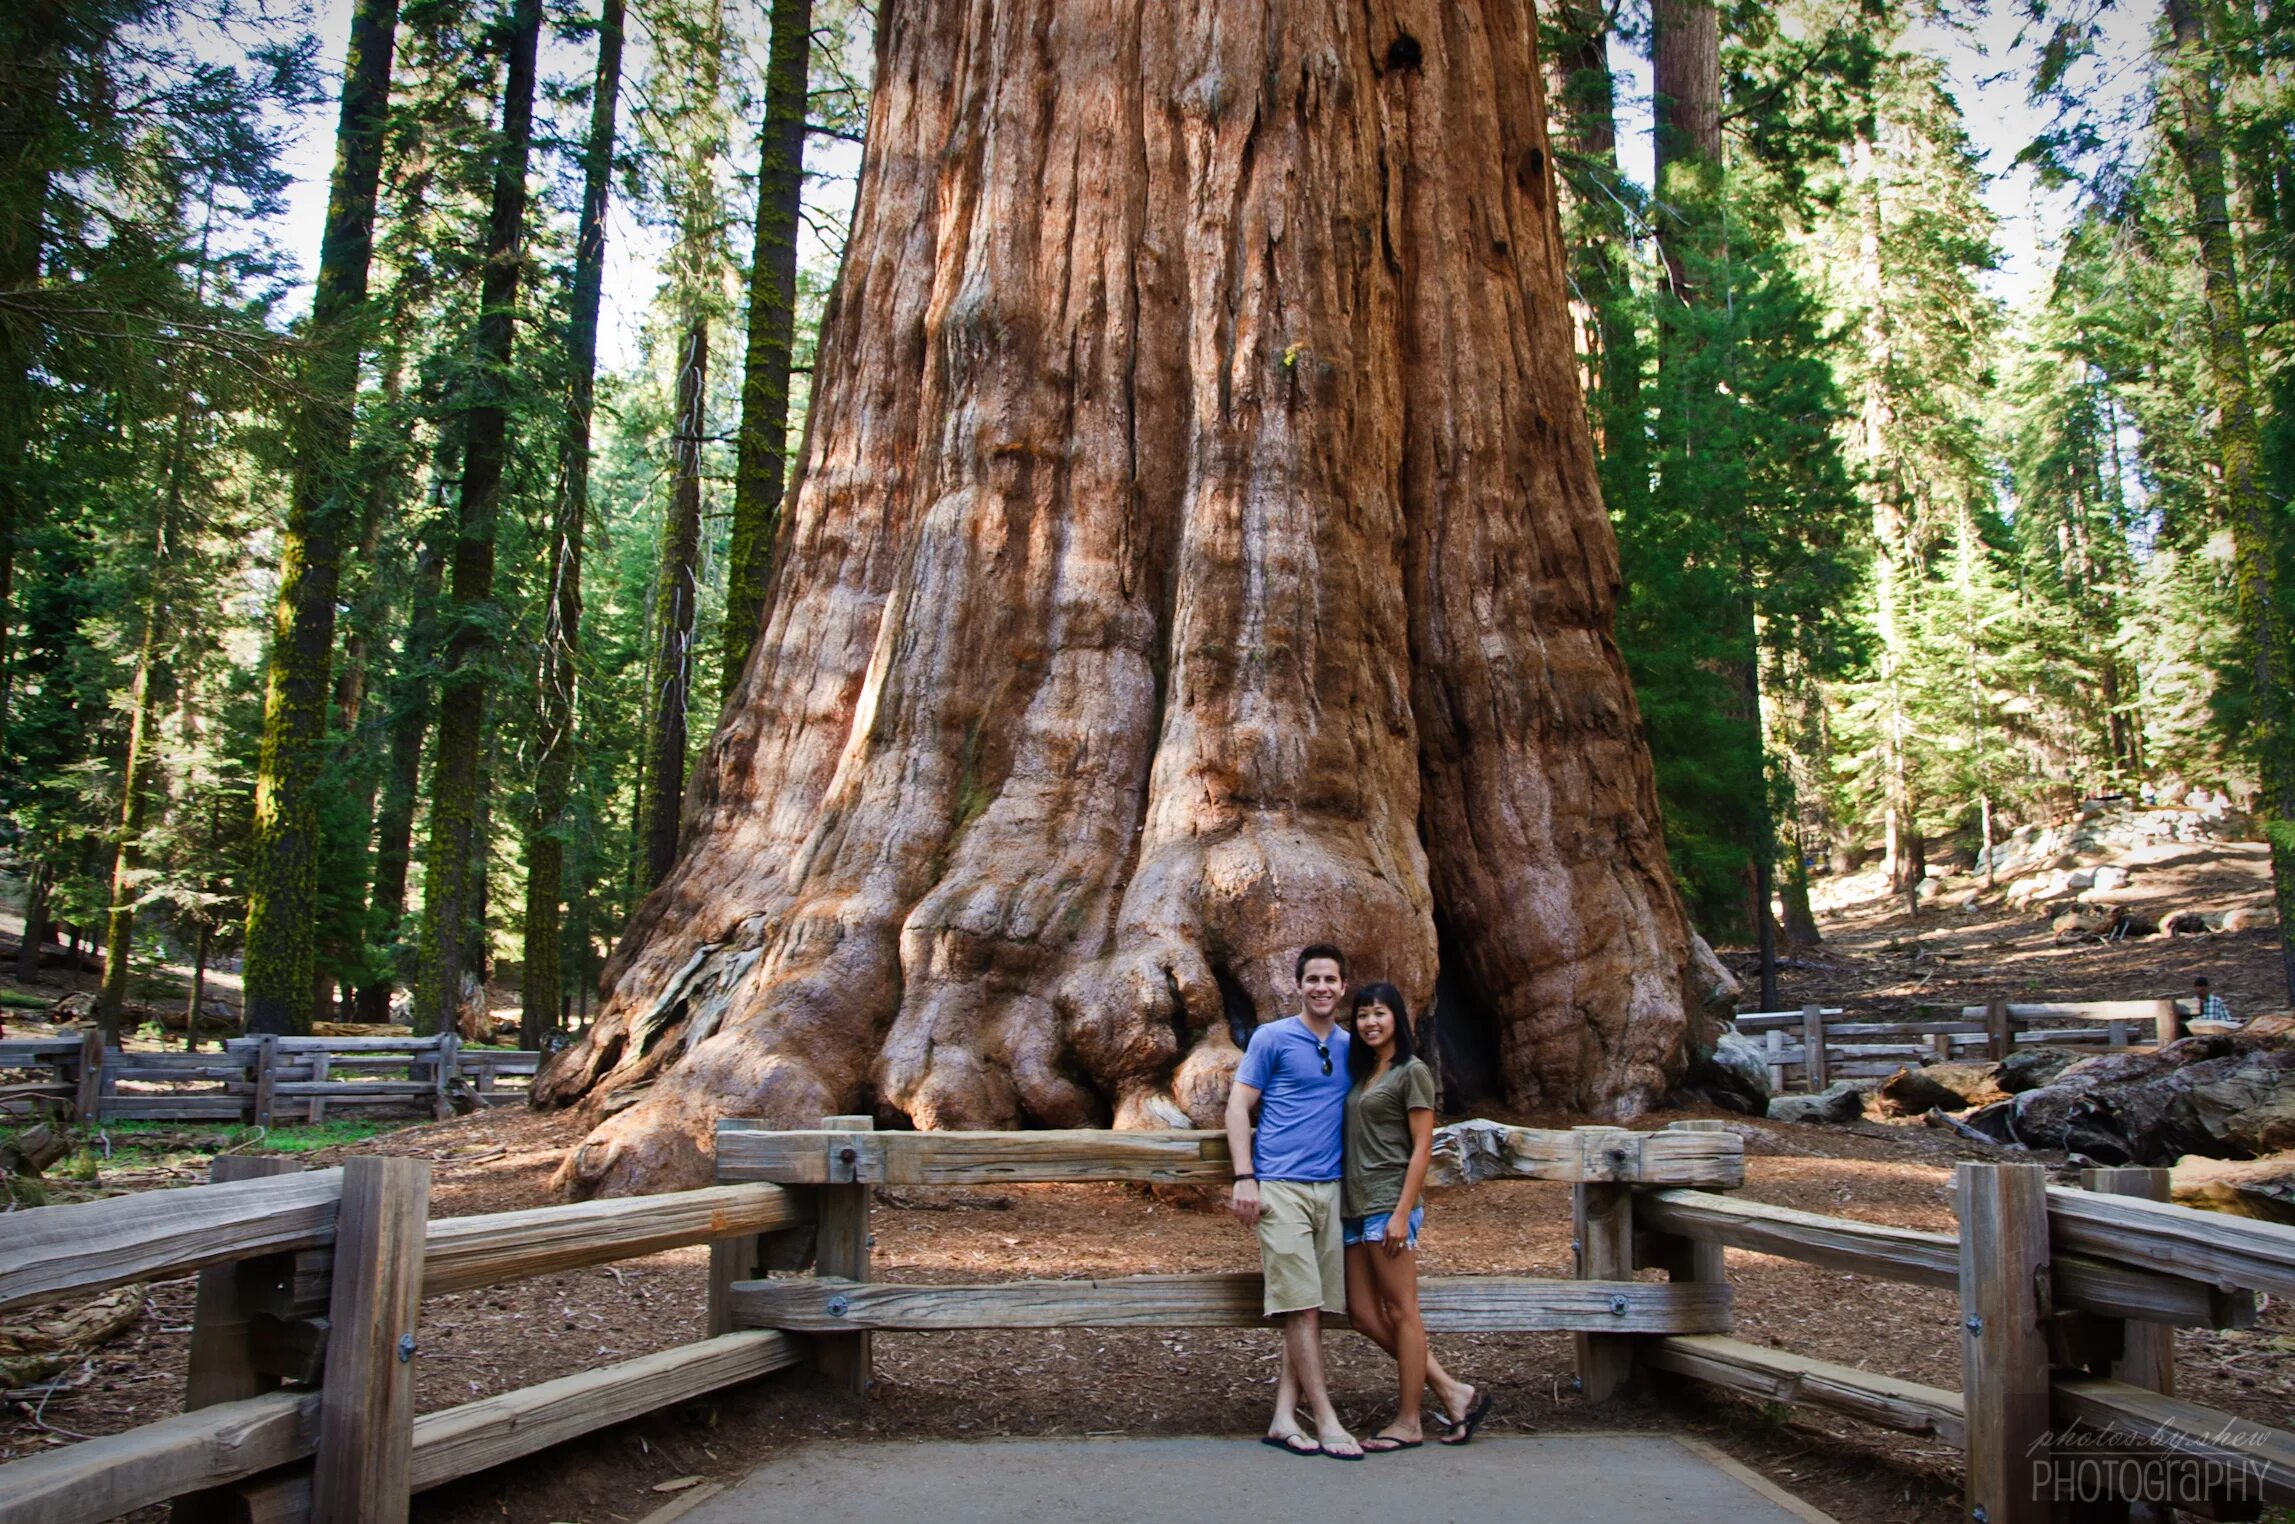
[[1197, 552]]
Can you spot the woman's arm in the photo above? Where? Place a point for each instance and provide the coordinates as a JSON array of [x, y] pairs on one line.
[[1414, 1178]]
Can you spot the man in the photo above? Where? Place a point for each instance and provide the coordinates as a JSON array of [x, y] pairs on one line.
[[1294, 1074], [2205, 1005]]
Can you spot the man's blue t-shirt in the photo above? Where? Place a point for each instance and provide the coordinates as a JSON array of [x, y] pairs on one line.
[[1302, 1100]]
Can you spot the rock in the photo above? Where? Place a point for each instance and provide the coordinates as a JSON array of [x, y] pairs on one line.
[[2080, 924], [1844, 1102], [2109, 877], [1911, 1092], [2185, 923], [2030, 1068], [79, 1005], [2080, 878], [2250, 918], [1733, 1074]]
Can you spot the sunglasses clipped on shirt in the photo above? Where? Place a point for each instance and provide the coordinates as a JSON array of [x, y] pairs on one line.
[[1323, 1052]]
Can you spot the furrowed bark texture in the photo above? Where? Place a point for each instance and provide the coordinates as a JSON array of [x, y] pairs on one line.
[[1197, 553], [762, 468]]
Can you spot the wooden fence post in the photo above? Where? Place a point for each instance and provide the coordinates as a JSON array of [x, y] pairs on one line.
[[89, 1101], [731, 1259], [1689, 1259], [266, 1076], [843, 1218], [1999, 1038], [449, 1049], [321, 1062], [1813, 1039], [1602, 1222], [2147, 1350], [222, 1365], [2005, 1303], [2167, 1021], [366, 1410]]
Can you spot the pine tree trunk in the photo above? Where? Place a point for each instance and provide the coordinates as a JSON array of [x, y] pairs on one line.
[[136, 781], [198, 995], [449, 893], [36, 923], [540, 983], [762, 468], [1685, 58], [1198, 553], [1596, 228], [2197, 137], [402, 781], [674, 612], [283, 866]]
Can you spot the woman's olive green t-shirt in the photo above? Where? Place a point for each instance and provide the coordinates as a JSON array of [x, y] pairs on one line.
[[1378, 1137]]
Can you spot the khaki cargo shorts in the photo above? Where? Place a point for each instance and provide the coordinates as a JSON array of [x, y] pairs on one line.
[[1299, 1251]]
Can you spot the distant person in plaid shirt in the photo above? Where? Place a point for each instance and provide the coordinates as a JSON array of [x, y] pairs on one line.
[[2206, 1006]]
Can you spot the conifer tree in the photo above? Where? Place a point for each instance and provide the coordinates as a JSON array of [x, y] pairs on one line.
[[541, 984], [453, 880], [283, 893]]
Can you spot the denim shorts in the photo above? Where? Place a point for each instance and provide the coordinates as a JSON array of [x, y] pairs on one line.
[[1373, 1228]]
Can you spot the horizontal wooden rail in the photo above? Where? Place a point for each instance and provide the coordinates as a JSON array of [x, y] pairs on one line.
[[455, 1442], [1778, 1376], [51, 1252], [231, 1442], [1450, 1304], [2131, 1416], [91, 1245], [1199, 1157], [2111, 1287], [2225, 1251], [462, 1253], [1837, 1243], [99, 1479]]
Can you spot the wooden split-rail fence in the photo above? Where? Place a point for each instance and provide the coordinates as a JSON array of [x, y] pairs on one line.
[[1812, 1047], [257, 1080], [299, 1402]]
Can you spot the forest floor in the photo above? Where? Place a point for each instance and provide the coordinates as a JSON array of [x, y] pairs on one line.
[[1207, 1381]]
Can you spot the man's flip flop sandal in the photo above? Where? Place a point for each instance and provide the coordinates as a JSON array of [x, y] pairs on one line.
[[1463, 1429], [1387, 1444], [1335, 1455], [1292, 1444]]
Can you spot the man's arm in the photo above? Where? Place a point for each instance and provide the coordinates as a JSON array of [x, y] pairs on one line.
[[1242, 1100]]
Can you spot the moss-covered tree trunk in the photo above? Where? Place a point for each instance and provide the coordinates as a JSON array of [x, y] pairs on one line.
[[283, 863], [2196, 133], [452, 891], [762, 462], [672, 668], [542, 986], [1198, 552]]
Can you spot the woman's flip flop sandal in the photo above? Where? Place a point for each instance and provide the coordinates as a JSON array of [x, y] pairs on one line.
[[1387, 1444], [1462, 1429], [1292, 1444]]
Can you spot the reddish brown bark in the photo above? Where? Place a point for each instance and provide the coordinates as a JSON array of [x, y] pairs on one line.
[[1198, 552]]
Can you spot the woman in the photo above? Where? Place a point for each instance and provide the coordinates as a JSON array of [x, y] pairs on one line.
[[1390, 1141]]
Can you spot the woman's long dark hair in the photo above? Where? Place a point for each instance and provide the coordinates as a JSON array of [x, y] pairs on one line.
[[1361, 1059]]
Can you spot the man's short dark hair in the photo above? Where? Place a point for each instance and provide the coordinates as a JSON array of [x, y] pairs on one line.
[[1311, 952], [2199, 979]]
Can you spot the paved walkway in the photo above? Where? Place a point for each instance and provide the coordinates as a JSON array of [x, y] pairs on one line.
[[1534, 1479]]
